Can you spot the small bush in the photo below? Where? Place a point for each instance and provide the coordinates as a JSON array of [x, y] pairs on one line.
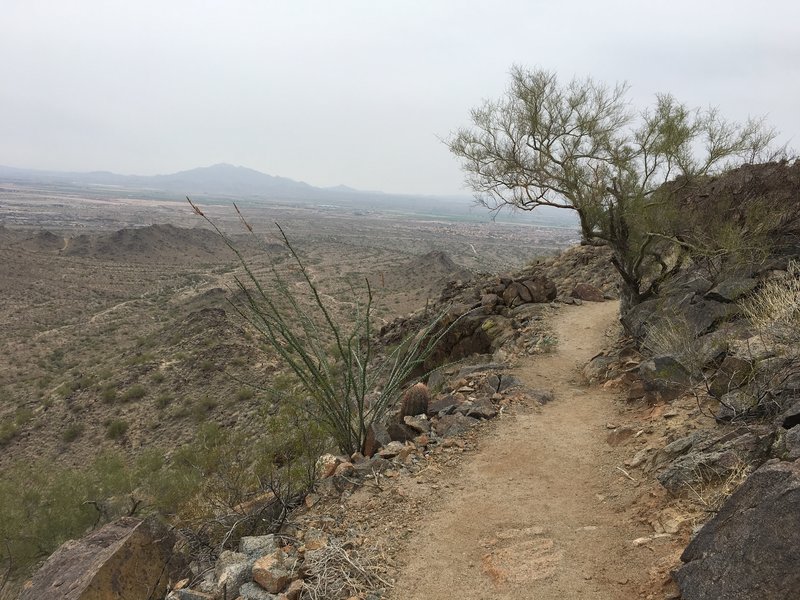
[[163, 401], [204, 406], [244, 393], [206, 366], [8, 431], [22, 416], [135, 392], [158, 377], [109, 394], [116, 429], [72, 432]]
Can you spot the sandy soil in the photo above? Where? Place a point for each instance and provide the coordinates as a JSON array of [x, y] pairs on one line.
[[542, 510]]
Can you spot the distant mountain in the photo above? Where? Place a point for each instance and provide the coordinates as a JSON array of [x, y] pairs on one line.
[[221, 179], [225, 181]]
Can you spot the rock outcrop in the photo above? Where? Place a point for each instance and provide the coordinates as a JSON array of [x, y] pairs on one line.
[[128, 558], [750, 550]]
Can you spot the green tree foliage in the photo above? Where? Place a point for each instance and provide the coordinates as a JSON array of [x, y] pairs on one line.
[[203, 489], [579, 146]]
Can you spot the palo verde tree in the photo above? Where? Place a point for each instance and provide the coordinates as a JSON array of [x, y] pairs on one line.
[[579, 146]]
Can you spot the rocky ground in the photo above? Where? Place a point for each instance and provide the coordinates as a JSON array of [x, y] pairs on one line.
[[562, 459]]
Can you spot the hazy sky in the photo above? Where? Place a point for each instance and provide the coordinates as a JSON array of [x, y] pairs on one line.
[[353, 92]]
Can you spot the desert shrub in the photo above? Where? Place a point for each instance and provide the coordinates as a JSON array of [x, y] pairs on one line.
[[202, 407], [135, 392], [8, 431], [244, 393], [116, 429], [42, 505], [206, 366], [72, 432], [163, 401], [109, 394], [225, 485], [22, 416], [158, 377], [334, 361], [64, 390]]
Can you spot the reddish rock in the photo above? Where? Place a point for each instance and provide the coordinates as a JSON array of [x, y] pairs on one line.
[[588, 293], [377, 438], [294, 590], [345, 468], [541, 289], [270, 572], [129, 558]]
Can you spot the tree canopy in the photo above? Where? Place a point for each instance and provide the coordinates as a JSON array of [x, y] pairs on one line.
[[581, 146]]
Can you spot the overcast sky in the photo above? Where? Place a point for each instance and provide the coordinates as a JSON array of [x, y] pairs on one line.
[[353, 92]]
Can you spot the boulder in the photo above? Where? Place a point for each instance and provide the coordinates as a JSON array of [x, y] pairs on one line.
[[737, 403], [271, 573], [399, 432], [703, 315], [732, 374], [257, 544], [698, 467], [377, 437], [391, 450], [599, 367], [231, 572], [452, 425], [541, 396], [532, 289], [587, 292], [444, 405], [482, 409], [541, 289], [516, 294], [750, 549], [419, 424], [253, 591], [128, 558], [507, 382], [664, 375], [792, 443], [731, 290], [489, 302]]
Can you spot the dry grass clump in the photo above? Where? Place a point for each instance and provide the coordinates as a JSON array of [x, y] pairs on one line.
[[775, 309], [339, 570], [674, 336], [711, 495]]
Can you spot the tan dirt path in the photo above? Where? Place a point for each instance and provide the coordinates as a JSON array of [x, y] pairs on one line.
[[541, 511]]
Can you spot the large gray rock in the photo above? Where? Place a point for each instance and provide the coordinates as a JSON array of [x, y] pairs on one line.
[[232, 571], [129, 558], [732, 374], [731, 290], [751, 549], [452, 425], [703, 315], [696, 467], [664, 375]]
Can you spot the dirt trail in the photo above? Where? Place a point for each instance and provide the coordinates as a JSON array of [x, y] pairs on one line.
[[541, 508]]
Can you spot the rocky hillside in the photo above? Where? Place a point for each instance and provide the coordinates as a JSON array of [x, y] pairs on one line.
[[710, 371], [717, 350]]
